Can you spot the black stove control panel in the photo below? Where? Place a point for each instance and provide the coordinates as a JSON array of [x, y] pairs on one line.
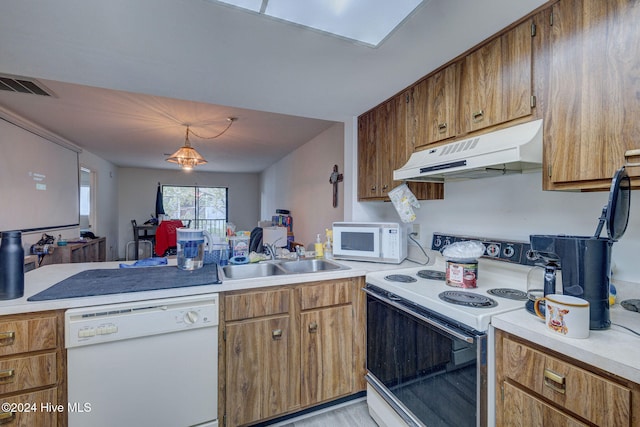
[[496, 249]]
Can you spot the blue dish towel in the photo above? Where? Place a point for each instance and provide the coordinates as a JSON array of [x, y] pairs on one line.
[[147, 262]]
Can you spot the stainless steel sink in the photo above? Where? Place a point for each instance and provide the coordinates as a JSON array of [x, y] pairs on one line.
[[270, 268], [311, 266], [246, 271]]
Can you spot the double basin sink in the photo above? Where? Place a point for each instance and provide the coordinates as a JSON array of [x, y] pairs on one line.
[[276, 268]]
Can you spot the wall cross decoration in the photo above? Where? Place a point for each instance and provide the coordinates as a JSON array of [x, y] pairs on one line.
[[334, 179]]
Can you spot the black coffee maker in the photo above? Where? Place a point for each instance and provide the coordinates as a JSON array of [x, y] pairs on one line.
[[586, 261]]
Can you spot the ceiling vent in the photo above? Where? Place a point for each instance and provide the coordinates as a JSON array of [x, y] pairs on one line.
[[23, 85]]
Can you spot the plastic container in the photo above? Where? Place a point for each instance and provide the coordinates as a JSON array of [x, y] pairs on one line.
[[239, 246], [11, 265]]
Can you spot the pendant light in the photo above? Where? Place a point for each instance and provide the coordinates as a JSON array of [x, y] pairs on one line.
[[187, 157]]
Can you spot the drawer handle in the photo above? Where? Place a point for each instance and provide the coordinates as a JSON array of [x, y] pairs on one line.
[[6, 374], [632, 153], [478, 116], [555, 381], [276, 334], [7, 417], [8, 337], [442, 127], [313, 327]]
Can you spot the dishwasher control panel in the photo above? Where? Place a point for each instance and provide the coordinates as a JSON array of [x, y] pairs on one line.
[[100, 324]]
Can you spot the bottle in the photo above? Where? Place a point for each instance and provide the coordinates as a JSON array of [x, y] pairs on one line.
[[11, 265], [318, 247], [328, 251]]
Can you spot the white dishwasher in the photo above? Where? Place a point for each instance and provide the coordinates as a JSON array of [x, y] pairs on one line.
[[147, 363]]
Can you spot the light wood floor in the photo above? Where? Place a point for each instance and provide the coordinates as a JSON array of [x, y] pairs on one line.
[[352, 414]]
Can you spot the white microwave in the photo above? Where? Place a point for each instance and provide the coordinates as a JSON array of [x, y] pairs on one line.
[[370, 241]]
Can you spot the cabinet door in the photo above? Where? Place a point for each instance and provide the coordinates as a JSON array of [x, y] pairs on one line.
[[496, 80], [521, 409], [367, 152], [327, 354], [386, 140], [435, 106], [592, 116], [257, 354]]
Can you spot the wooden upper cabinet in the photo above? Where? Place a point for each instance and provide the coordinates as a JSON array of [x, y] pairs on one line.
[[434, 106], [375, 151], [386, 122], [385, 143], [593, 92], [367, 163], [497, 80]]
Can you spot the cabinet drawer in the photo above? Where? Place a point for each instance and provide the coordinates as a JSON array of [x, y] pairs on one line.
[[523, 409], [256, 304], [22, 336], [34, 409], [325, 294], [568, 386], [22, 373]]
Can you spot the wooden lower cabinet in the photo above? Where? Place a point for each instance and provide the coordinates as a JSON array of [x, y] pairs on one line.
[[287, 348], [257, 369], [327, 350], [32, 370], [535, 387]]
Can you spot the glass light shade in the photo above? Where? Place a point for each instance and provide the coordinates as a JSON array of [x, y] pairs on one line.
[[187, 157]]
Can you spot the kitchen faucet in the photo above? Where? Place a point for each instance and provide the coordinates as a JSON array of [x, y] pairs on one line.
[[271, 248]]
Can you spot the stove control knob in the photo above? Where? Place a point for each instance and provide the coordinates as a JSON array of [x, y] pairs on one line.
[[493, 250], [190, 317], [508, 252]]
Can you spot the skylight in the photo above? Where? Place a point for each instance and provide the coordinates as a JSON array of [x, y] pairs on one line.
[[366, 21]]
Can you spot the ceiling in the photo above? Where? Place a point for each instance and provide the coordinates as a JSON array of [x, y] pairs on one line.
[[128, 76]]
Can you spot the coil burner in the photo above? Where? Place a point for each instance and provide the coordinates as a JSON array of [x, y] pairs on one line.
[[467, 299], [403, 278], [431, 274], [508, 293]]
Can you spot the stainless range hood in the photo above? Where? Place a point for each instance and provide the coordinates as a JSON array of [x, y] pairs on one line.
[[512, 150]]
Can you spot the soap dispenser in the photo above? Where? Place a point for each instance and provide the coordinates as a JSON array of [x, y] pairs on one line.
[[318, 247], [328, 250]]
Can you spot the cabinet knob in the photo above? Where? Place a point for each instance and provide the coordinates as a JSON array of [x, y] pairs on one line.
[[7, 417], [554, 381], [442, 127], [313, 327], [384, 187], [631, 153], [276, 334], [6, 375], [6, 338], [478, 116]]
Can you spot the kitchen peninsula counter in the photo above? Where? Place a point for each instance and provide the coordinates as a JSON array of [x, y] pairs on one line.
[[615, 350], [44, 277]]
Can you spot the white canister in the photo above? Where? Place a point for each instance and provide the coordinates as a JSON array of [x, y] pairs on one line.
[[565, 314]]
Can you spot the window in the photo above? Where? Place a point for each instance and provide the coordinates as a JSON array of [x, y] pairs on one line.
[[204, 207]]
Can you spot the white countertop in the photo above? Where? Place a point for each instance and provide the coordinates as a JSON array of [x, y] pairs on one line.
[[614, 350], [44, 277]]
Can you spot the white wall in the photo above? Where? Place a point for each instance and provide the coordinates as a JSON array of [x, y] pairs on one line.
[[300, 183], [106, 193], [137, 196], [513, 207]]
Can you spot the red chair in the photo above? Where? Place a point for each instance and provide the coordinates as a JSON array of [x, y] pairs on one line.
[[166, 236]]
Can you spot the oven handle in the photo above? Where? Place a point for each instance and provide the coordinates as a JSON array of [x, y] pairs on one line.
[[468, 338]]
